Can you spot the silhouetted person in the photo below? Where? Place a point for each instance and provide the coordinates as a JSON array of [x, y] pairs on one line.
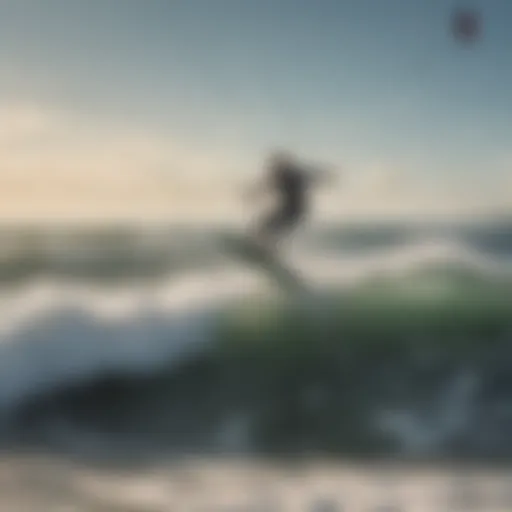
[[291, 183]]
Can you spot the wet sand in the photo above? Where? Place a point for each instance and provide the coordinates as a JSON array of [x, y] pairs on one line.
[[40, 483]]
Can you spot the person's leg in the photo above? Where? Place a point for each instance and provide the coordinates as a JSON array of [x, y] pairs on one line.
[[289, 224], [276, 226], [266, 230]]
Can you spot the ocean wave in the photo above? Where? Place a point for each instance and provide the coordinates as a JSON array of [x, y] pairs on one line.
[[217, 354], [49, 328], [126, 256]]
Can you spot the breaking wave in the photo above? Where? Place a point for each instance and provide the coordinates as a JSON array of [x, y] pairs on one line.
[[221, 359]]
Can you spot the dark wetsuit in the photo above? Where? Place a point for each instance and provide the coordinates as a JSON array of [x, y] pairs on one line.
[[291, 186]]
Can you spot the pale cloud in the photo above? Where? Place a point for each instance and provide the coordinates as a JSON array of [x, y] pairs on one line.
[[22, 123], [385, 189], [55, 164], [33, 140], [60, 166]]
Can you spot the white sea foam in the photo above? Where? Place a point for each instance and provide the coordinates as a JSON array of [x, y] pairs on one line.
[[52, 333]]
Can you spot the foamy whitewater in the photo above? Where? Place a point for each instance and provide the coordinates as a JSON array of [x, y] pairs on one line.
[[160, 352], [55, 333]]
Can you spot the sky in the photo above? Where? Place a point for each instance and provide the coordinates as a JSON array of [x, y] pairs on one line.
[[163, 107]]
